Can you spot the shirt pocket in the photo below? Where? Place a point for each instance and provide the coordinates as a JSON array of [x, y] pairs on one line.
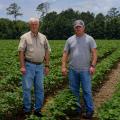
[[30, 47], [42, 45]]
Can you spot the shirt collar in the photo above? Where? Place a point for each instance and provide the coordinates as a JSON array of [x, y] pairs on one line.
[[79, 37], [34, 35]]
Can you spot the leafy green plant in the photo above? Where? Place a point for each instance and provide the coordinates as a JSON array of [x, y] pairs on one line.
[[110, 110]]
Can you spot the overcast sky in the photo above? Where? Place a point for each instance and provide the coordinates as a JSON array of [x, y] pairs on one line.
[[28, 7]]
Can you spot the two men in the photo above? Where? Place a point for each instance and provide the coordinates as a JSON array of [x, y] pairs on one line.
[[34, 49], [33, 52], [78, 49]]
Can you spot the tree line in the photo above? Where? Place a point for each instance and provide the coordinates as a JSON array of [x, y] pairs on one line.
[[60, 26]]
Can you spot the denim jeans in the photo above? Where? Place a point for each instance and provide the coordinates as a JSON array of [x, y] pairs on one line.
[[34, 75], [83, 77]]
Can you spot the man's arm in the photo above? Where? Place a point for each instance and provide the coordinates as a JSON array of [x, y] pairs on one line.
[[94, 56], [47, 58], [22, 62], [94, 60], [64, 62], [46, 61]]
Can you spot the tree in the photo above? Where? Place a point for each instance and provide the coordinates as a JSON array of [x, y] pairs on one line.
[[87, 17], [113, 13], [14, 9], [113, 24], [59, 26], [99, 26], [48, 26], [42, 9], [9, 30], [113, 29]]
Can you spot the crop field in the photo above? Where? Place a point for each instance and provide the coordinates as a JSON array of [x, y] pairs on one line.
[[58, 99]]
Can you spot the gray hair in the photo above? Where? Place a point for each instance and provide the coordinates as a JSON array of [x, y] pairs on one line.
[[33, 19]]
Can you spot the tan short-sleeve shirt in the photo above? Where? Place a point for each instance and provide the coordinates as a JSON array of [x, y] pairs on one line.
[[34, 46]]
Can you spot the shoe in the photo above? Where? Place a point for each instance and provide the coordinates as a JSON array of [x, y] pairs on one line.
[[27, 113], [75, 113], [38, 114], [88, 115]]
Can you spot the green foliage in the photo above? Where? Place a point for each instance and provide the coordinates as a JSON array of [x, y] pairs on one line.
[[10, 103], [10, 78], [57, 109], [110, 110], [104, 67], [112, 28], [63, 103], [97, 27], [12, 29], [60, 26], [113, 13], [32, 117]]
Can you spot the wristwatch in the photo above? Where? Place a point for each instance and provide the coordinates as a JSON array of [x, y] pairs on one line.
[[47, 66]]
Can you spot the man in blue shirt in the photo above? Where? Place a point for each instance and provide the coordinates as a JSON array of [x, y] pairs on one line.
[[81, 51]]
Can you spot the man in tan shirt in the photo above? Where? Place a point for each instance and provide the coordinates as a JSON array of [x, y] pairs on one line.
[[33, 50]]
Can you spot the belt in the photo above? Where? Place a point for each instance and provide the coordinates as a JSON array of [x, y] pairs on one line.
[[37, 63]]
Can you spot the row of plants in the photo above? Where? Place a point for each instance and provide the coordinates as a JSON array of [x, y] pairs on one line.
[[101, 69], [56, 80], [9, 80], [105, 66], [56, 109], [10, 103], [9, 56], [11, 75], [110, 110]]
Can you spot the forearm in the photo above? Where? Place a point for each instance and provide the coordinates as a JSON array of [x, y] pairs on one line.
[[64, 60], [94, 61], [94, 57], [47, 58], [22, 59]]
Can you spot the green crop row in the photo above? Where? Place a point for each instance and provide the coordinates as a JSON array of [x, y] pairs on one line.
[[56, 109], [102, 68], [10, 75], [110, 110]]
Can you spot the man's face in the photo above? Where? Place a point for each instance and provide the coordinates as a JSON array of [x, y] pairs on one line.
[[34, 26], [79, 30]]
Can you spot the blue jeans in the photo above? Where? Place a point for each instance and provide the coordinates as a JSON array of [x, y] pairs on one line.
[[34, 75], [83, 77]]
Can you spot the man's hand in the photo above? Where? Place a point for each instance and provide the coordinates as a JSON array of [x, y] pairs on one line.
[[92, 70], [64, 71], [23, 70], [46, 70]]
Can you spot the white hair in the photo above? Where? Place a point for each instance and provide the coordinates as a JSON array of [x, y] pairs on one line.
[[33, 19]]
